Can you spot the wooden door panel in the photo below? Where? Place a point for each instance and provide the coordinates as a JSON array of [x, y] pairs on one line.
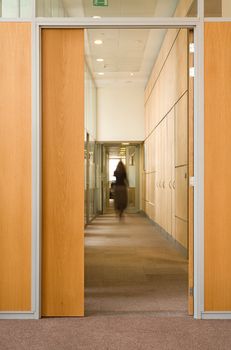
[[16, 167], [191, 174], [217, 166], [62, 172]]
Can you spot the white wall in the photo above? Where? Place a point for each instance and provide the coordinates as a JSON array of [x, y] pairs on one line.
[[90, 95], [120, 114]]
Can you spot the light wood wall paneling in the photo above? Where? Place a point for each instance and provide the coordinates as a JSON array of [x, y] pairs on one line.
[[190, 174], [182, 232], [167, 91], [181, 11], [181, 147], [167, 99], [15, 173], [170, 170], [181, 174], [63, 172], [217, 166], [164, 171], [163, 54]]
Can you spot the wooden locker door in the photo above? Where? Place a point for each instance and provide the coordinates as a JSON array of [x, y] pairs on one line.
[[191, 174], [170, 146], [160, 175], [157, 131], [173, 182], [62, 172], [164, 180]]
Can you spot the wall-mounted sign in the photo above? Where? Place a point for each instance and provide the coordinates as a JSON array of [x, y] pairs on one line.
[[100, 2]]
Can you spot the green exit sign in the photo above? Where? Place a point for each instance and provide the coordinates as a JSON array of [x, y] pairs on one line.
[[100, 2]]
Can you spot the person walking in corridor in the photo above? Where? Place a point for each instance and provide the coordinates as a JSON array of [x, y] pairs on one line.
[[121, 193]]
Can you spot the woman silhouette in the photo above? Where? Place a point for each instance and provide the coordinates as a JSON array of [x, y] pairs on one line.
[[121, 184]]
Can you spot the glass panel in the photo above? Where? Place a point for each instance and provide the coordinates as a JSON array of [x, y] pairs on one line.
[[15, 8], [131, 170], [91, 179], [116, 8], [217, 8]]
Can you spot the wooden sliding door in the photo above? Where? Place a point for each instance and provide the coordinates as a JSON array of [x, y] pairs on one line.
[[62, 172], [15, 167], [217, 166]]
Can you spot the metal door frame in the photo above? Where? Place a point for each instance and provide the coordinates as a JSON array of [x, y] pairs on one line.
[[130, 23]]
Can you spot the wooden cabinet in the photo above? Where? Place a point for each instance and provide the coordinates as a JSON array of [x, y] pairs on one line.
[[182, 232], [181, 192], [166, 143], [170, 174], [181, 131]]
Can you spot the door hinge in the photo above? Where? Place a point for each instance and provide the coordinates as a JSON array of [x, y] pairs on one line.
[[192, 72], [191, 292]]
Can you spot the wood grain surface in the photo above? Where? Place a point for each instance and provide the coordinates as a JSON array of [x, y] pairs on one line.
[[62, 172], [190, 173], [15, 170], [217, 167]]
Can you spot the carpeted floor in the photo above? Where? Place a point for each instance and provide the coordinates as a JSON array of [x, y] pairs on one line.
[[137, 332], [136, 299], [131, 268]]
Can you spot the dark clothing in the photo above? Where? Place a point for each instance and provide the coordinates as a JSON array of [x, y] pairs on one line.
[[121, 178], [120, 194]]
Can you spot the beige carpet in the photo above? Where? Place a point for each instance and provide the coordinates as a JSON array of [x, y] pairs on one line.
[[131, 268], [116, 333]]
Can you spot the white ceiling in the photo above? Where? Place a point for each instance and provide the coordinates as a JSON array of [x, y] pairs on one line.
[[124, 51]]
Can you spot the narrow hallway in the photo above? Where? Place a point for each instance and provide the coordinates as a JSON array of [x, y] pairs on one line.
[[131, 268]]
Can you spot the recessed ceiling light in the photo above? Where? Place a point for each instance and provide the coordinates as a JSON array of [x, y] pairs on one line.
[[100, 73], [96, 17], [125, 143], [131, 74], [98, 42], [99, 59]]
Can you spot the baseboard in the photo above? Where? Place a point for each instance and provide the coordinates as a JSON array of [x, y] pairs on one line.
[[175, 243], [18, 315], [216, 315]]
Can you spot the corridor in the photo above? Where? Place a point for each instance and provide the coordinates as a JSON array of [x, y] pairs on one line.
[[130, 268]]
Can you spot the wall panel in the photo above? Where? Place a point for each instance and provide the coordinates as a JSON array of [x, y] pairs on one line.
[[15, 173], [217, 167], [62, 172], [167, 133]]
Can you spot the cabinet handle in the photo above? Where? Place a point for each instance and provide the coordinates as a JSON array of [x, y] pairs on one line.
[[170, 186], [174, 185], [163, 184]]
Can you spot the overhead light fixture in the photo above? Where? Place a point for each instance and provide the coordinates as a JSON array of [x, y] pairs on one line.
[[100, 73], [99, 59], [98, 41], [96, 17], [125, 143], [131, 74]]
